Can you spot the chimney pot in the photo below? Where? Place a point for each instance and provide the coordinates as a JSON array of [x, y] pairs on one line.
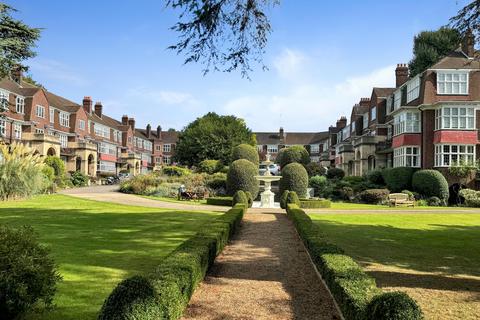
[[125, 120], [87, 104], [159, 132], [98, 109], [17, 73], [149, 130], [468, 44], [131, 123], [401, 74]]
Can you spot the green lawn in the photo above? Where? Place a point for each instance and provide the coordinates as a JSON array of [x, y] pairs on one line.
[[349, 205], [98, 244], [175, 200]]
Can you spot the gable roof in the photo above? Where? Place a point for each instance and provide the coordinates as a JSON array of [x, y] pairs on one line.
[[291, 138], [456, 60], [105, 120], [383, 92], [61, 103], [21, 89]]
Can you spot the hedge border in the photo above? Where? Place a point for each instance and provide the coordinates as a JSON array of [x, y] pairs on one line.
[[315, 203], [220, 201], [352, 289], [165, 293]]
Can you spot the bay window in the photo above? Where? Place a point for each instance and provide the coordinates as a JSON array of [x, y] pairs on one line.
[[406, 156], [452, 82], [413, 89], [106, 166], [102, 131], [397, 100], [406, 122], [462, 118], [365, 121], [107, 148], [4, 95], [447, 155]]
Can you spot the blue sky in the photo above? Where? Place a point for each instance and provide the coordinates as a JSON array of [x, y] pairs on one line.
[[323, 56]]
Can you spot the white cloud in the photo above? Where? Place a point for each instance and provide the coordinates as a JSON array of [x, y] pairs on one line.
[[57, 71], [308, 106], [289, 63]]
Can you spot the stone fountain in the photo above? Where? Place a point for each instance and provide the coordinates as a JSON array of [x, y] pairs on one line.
[[267, 196]]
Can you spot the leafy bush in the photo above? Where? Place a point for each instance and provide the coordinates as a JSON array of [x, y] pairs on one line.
[[294, 178], [397, 179], [164, 293], [240, 198], [249, 198], [375, 177], [293, 154], [394, 306], [143, 184], [421, 203], [410, 194], [335, 173], [374, 196], [79, 179], [165, 190], [247, 152], [318, 183], [196, 183], [434, 202], [241, 176], [217, 181], [210, 166], [57, 164], [284, 199], [220, 201], [21, 172], [293, 198], [431, 183], [472, 197], [27, 272], [175, 171], [315, 203], [315, 169]]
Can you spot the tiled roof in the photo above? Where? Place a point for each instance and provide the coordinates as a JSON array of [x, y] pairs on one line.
[[23, 89], [456, 60], [383, 92], [291, 138], [105, 120], [61, 103]]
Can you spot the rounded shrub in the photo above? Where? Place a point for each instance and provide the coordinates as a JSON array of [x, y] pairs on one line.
[[434, 202], [28, 274], [318, 183], [79, 179], [315, 169], [240, 198], [398, 179], [374, 196], [175, 171], [430, 183], [293, 154], [249, 198], [393, 306], [293, 198], [294, 178], [284, 199], [210, 166], [410, 194], [335, 173], [57, 164], [247, 152], [375, 177], [241, 176]]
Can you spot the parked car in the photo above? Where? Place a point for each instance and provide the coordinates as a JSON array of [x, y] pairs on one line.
[[124, 176], [112, 180], [274, 169]]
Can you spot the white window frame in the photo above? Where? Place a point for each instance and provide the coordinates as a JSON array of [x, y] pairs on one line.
[[39, 131], [397, 99], [413, 89], [40, 111], [373, 112], [63, 140], [81, 125], [167, 147], [107, 148], [167, 160], [106, 166], [272, 148], [3, 127], [407, 156], [314, 148], [389, 104], [51, 114], [260, 147], [448, 154], [64, 119], [452, 117], [101, 130], [450, 81], [158, 159], [4, 100], [404, 122], [17, 130], [365, 121]]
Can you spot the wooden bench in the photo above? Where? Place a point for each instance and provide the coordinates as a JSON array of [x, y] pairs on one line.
[[398, 199]]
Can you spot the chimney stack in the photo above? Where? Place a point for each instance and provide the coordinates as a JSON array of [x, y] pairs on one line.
[[149, 131], [401, 74], [87, 104], [98, 109], [131, 123], [159, 132], [17, 73], [125, 120], [468, 44], [342, 122], [281, 133]]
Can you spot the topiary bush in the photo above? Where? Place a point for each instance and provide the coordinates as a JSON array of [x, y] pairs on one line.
[[375, 177], [220, 201], [335, 173], [315, 169], [249, 198], [431, 183], [28, 274], [318, 183], [315, 203], [284, 199], [294, 178], [410, 194], [241, 176], [79, 179], [247, 152], [398, 179], [210, 166], [293, 198], [374, 196], [394, 306], [240, 198], [292, 154]]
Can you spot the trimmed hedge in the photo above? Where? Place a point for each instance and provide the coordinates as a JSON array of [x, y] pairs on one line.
[[394, 306], [398, 179], [293, 154], [220, 201], [240, 198], [241, 176], [165, 293], [315, 203], [284, 199], [374, 196], [249, 199], [351, 287], [247, 152], [294, 178], [292, 198], [431, 183]]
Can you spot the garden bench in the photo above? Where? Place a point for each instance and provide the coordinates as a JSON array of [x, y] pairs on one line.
[[398, 199]]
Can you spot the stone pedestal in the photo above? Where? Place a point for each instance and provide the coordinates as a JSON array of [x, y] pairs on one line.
[[267, 196]]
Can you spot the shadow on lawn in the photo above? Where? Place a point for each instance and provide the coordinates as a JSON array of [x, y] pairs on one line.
[[95, 249]]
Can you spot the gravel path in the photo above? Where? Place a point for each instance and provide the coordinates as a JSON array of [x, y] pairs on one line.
[[264, 273], [110, 194]]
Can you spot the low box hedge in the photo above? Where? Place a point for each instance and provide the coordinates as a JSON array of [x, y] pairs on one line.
[[220, 201], [351, 287], [164, 293], [315, 203]]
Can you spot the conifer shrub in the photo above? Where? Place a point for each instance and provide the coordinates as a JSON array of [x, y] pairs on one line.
[[294, 178], [394, 306], [283, 199], [335, 174], [241, 176], [431, 183], [293, 154], [398, 179], [293, 198], [240, 198], [247, 152]]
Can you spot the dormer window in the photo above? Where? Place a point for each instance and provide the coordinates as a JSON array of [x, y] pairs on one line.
[[374, 113], [365, 121], [452, 82], [413, 89]]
